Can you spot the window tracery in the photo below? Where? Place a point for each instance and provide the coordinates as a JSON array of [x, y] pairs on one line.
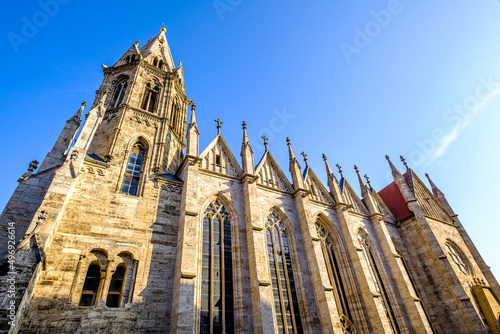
[[217, 305], [286, 304], [379, 283]]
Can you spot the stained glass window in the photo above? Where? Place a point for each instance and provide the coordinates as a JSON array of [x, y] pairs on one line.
[[133, 170], [217, 306], [379, 284], [286, 305], [330, 252], [457, 257]]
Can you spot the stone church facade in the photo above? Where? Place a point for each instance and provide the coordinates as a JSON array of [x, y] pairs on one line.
[[128, 226]]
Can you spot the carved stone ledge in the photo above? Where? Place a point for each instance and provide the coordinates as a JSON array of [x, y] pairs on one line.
[[188, 274]]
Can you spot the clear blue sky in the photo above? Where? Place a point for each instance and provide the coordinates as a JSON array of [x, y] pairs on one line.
[[361, 80]]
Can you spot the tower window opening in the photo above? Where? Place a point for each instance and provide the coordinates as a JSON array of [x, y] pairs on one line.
[[115, 291], [133, 171], [217, 160], [91, 285], [149, 99], [119, 94]]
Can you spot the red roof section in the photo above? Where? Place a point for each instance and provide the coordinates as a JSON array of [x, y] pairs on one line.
[[392, 197]]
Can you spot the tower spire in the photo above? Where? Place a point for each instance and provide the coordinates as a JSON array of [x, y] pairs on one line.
[[367, 194], [440, 195], [360, 179], [193, 134], [247, 153], [394, 170], [333, 183], [329, 172], [295, 169], [55, 156]]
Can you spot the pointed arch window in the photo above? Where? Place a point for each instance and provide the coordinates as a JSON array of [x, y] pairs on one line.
[[116, 285], [150, 98], [457, 257], [175, 117], [379, 283], [286, 306], [91, 285], [134, 168], [119, 93], [329, 245], [217, 306]]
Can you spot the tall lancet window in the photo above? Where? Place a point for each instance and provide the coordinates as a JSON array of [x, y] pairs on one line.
[[379, 283], [119, 93], [286, 306], [217, 306], [134, 168], [330, 246], [150, 98]]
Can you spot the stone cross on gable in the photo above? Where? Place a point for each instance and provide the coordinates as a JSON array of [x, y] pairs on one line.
[[340, 170], [265, 141], [368, 180], [305, 157], [404, 161], [219, 122]]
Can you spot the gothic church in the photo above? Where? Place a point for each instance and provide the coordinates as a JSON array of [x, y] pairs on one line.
[[128, 226]]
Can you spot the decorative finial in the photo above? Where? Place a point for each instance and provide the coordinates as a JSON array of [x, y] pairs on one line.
[[288, 141], [340, 170], [163, 29], [193, 107], [219, 122], [265, 141], [244, 125], [84, 103], [356, 169], [368, 180], [404, 161], [305, 157], [324, 157], [427, 175], [387, 157], [33, 166]]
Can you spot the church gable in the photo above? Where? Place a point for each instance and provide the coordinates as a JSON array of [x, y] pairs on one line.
[[318, 191], [158, 47], [351, 198], [428, 202], [131, 55], [271, 175], [217, 157]]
